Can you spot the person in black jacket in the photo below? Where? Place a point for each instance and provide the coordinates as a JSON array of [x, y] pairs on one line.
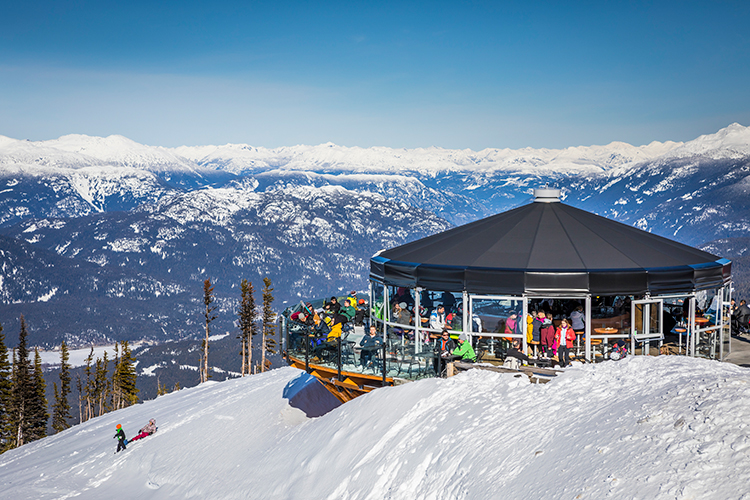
[[334, 305], [743, 317], [369, 343], [121, 441], [516, 353]]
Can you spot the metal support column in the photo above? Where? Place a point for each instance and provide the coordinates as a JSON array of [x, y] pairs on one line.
[[525, 324], [588, 328], [691, 325], [466, 320], [417, 321]]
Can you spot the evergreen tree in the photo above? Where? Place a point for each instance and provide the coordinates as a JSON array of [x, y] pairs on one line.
[[161, 389], [6, 394], [101, 385], [248, 327], [23, 391], [79, 388], [116, 394], [61, 410], [38, 414], [88, 389], [124, 379], [208, 298], [269, 320]]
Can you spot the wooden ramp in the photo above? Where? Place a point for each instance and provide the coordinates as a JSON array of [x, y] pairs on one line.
[[350, 386]]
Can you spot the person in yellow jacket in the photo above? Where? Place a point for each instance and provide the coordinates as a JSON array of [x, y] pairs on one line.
[[530, 326]]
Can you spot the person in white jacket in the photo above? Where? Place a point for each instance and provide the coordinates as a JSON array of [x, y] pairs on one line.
[[437, 318]]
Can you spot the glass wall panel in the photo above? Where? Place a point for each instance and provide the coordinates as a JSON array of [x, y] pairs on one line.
[[496, 321], [611, 312]]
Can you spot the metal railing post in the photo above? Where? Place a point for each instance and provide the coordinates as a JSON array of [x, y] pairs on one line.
[[338, 339], [385, 349], [307, 352]]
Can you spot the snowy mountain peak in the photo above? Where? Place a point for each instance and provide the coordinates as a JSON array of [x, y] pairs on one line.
[[729, 142]]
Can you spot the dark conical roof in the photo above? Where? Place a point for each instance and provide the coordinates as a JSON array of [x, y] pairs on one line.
[[550, 248]]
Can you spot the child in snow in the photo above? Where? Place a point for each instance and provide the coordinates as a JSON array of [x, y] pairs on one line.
[[147, 430], [121, 441], [619, 350]]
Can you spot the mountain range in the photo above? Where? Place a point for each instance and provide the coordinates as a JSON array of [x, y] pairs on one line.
[[104, 238]]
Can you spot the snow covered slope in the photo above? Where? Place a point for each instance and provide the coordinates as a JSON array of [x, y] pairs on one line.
[[655, 428]]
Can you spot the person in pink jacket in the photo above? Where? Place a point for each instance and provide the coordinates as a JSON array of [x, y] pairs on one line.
[[564, 338], [146, 431]]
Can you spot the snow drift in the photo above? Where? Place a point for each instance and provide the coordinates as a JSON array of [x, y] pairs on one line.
[[663, 427]]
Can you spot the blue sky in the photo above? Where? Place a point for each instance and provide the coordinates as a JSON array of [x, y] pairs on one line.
[[397, 74]]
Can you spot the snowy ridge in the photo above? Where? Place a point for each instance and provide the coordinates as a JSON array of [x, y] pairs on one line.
[[239, 158], [657, 428], [76, 151], [730, 142], [82, 150]]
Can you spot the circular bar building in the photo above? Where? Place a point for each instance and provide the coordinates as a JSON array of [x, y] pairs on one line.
[[547, 253]]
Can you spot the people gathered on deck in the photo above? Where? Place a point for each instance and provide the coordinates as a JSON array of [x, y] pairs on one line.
[[552, 325]]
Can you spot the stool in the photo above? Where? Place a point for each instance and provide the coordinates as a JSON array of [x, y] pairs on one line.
[[535, 344], [680, 331], [594, 343], [579, 336]]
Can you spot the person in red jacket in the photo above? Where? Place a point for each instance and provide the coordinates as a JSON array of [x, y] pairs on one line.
[[564, 337]]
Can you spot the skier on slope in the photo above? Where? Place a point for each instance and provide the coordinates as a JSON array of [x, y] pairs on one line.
[[121, 441]]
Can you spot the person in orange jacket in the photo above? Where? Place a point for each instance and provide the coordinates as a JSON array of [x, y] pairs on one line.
[[564, 338]]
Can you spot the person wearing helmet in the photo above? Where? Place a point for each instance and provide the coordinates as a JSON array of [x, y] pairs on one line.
[[146, 431], [121, 441], [359, 316]]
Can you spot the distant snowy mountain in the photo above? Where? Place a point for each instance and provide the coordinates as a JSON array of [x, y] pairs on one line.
[[311, 242], [310, 217], [330, 158]]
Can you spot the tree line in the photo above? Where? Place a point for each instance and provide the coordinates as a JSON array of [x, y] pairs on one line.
[[247, 322], [23, 405]]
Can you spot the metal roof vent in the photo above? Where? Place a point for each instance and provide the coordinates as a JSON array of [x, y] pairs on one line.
[[546, 195]]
